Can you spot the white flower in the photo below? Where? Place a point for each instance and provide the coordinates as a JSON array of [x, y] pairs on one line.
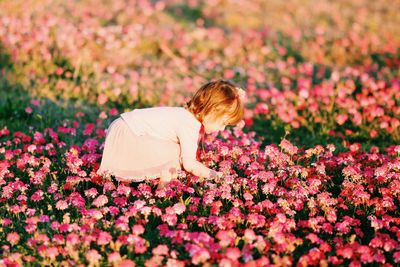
[[241, 93]]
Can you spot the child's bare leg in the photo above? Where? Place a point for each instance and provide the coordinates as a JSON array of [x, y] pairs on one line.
[[167, 176], [164, 179]]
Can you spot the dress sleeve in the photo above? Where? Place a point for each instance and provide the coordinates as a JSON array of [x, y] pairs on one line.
[[188, 139]]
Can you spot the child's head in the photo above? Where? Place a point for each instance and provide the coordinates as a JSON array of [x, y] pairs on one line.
[[217, 104]]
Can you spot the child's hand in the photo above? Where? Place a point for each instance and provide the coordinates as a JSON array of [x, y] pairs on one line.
[[214, 175]]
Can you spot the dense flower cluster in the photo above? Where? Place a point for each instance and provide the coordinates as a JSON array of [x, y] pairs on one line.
[[339, 78], [277, 204]]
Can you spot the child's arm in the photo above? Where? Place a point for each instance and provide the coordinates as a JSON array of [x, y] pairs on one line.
[[199, 169], [188, 141]]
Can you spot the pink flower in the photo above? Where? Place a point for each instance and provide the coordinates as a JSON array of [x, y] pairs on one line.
[[100, 201], [376, 242], [175, 263], [373, 133], [52, 253], [94, 213], [104, 238], [249, 236], [247, 196], [233, 253], [389, 245], [265, 176], [137, 229], [227, 238], [61, 205], [123, 190], [201, 256], [28, 110], [108, 186], [13, 238], [269, 187], [304, 260], [379, 257], [114, 257], [375, 222], [179, 208], [170, 219], [93, 256], [160, 250], [288, 147], [92, 192], [35, 102], [341, 119], [224, 150], [72, 239], [102, 99], [64, 227], [44, 218], [126, 263], [215, 207], [244, 159], [261, 108], [313, 238], [256, 220], [103, 115], [345, 252], [331, 215], [397, 149], [139, 244]]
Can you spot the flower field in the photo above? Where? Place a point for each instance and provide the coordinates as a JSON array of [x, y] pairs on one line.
[[311, 176]]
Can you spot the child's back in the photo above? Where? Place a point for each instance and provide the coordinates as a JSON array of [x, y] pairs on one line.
[[162, 122]]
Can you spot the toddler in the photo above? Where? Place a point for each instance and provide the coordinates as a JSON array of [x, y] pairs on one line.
[[156, 142]]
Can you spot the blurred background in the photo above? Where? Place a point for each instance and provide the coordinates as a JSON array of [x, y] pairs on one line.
[[314, 71]]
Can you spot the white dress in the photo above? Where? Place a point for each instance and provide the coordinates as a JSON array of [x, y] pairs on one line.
[[149, 143]]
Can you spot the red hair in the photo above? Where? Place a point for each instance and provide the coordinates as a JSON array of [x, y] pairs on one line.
[[217, 98]]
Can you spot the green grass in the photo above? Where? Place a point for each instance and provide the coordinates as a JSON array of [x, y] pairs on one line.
[[272, 132], [14, 99]]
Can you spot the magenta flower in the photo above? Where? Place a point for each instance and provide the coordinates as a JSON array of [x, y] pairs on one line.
[[396, 257], [37, 196]]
